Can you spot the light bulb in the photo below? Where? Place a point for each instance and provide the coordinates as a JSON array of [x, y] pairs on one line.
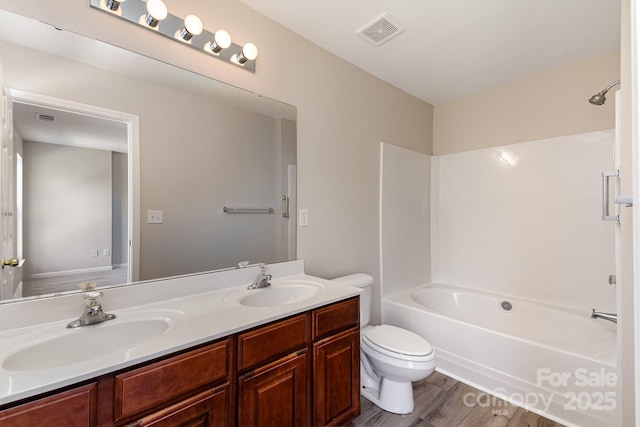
[[192, 27], [156, 12], [249, 53], [221, 40]]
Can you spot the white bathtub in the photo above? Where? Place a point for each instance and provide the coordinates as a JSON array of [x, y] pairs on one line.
[[554, 361]]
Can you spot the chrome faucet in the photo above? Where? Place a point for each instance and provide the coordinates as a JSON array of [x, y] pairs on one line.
[[263, 279], [93, 311], [611, 317]]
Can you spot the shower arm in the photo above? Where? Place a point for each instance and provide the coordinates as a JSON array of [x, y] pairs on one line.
[[605, 90]]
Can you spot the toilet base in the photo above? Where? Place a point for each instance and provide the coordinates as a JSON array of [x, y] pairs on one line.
[[392, 396]]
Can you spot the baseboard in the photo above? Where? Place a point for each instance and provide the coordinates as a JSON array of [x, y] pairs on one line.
[[68, 272]]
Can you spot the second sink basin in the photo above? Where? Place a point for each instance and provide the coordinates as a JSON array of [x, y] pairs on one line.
[[277, 294], [281, 295], [85, 343]]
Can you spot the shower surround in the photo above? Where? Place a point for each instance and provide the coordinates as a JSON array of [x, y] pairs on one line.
[[525, 220], [521, 221]]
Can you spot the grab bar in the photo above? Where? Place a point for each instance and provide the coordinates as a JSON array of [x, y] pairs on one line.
[[605, 195], [285, 209], [247, 210]]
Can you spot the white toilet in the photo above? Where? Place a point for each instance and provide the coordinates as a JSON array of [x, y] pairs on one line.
[[391, 358]]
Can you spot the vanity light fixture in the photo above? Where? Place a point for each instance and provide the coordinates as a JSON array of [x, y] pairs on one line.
[[189, 31], [156, 12]]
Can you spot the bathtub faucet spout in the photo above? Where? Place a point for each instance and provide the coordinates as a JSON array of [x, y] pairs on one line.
[[612, 317]]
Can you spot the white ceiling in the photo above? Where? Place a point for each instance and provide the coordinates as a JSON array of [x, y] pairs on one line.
[[454, 48], [76, 130]]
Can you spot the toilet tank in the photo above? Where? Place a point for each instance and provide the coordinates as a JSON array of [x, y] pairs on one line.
[[364, 281]]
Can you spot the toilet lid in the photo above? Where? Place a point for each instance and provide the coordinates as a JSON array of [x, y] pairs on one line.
[[398, 340]]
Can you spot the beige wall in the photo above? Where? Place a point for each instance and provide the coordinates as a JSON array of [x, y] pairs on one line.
[[67, 207], [549, 104]]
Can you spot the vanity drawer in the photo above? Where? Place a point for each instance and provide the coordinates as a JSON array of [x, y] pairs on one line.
[[335, 317], [75, 407], [152, 385], [267, 342]]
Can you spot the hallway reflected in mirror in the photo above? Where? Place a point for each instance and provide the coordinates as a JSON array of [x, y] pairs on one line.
[[70, 282]]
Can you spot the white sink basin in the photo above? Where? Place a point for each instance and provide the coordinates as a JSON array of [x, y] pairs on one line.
[[85, 343], [277, 294], [281, 295]]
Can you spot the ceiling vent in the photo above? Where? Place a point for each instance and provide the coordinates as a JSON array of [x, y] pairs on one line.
[[46, 118], [380, 30]]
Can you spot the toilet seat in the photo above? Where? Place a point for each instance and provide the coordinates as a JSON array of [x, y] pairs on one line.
[[397, 342]]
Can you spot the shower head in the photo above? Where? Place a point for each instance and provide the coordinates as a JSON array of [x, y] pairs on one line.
[[599, 98]]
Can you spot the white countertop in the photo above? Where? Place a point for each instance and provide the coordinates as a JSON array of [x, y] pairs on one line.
[[195, 318]]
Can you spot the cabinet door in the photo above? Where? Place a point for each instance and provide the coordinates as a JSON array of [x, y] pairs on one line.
[[336, 374], [207, 409], [275, 395], [71, 408]]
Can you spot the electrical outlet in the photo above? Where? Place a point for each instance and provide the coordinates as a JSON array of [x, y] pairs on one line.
[[154, 217], [106, 252], [303, 217]]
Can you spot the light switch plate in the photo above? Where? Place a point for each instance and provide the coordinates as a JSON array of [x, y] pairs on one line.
[[303, 217], [154, 217]]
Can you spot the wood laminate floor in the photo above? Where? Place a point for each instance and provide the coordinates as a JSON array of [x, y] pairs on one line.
[[440, 402]]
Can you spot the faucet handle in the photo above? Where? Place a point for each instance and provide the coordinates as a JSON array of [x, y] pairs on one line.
[[87, 286], [263, 269], [93, 298]]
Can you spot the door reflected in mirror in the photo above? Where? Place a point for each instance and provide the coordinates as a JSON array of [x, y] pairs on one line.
[[199, 146], [73, 192]]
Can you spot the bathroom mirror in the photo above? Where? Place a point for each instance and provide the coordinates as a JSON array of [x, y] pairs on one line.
[[203, 146]]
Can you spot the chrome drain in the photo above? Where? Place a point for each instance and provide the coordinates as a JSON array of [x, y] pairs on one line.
[[506, 305]]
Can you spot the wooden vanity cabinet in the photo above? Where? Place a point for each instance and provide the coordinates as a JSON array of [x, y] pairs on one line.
[[302, 370]]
